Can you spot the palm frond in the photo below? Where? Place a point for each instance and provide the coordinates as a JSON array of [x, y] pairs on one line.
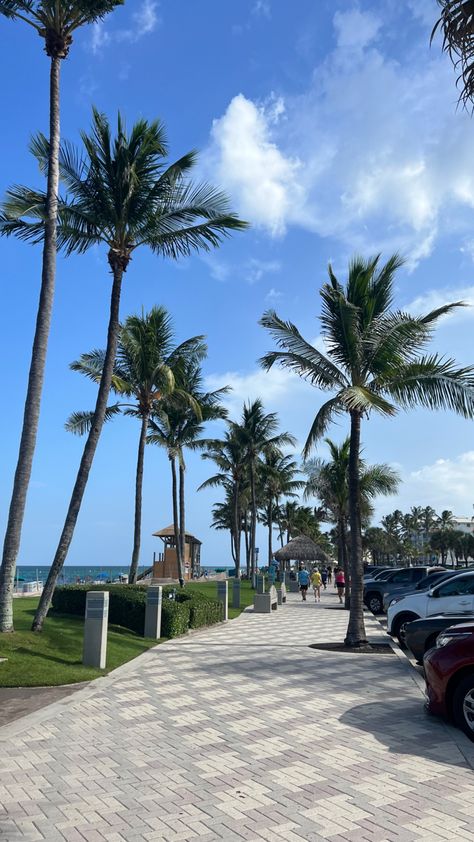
[[80, 422], [456, 23], [323, 419], [433, 382]]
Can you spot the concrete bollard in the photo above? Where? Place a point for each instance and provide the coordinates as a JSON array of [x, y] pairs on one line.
[[154, 599], [261, 583], [236, 593], [223, 596], [95, 629]]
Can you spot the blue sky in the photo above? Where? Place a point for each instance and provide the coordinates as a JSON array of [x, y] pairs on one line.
[[333, 127]]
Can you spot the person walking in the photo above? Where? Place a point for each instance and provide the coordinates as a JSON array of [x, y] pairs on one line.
[[316, 581], [324, 577], [329, 569], [303, 581], [340, 583]]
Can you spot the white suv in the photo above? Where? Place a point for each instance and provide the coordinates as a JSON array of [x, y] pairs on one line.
[[453, 596]]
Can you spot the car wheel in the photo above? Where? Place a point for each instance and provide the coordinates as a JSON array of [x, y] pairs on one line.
[[374, 603], [463, 706], [399, 627]]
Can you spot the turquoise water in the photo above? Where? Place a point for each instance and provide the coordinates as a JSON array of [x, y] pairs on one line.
[[70, 575]]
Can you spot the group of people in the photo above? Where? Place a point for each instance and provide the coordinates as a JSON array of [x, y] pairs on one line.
[[318, 578]]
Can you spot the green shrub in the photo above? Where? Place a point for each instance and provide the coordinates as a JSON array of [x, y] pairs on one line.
[[205, 612], [175, 618]]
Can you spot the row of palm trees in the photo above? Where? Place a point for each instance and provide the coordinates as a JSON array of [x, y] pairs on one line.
[[119, 192]]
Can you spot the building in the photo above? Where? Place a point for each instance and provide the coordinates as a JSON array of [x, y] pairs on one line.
[[464, 524], [166, 566]]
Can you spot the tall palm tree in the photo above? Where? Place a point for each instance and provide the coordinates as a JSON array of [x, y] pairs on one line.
[[329, 482], [55, 21], [375, 363], [121, 195], [147, 370], [228, 455], [277, 478], [257, 434], [178, 423], [456, 23]]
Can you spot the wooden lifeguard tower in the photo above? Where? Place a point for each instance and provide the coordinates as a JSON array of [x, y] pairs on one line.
[[166, 567]]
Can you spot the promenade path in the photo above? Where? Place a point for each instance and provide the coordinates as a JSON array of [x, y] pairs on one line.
[[241, 732]]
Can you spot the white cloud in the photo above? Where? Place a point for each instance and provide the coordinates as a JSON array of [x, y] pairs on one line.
[[445, 484], [219, 270], [256, 269], [262, 8], [273, 295], [434, 298], [373, 153], [270, 386], [355, 29], [143, 21], [244, 158]]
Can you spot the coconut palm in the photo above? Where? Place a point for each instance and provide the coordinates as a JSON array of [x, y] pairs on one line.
[[55, 21], [456, 23], [178, 423], [257, 435], [147, 369], [329, 482], [277, 478], [228, 455], [375, 363], [121, 195]]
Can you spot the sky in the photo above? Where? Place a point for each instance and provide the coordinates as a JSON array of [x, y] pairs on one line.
[[334, 129]]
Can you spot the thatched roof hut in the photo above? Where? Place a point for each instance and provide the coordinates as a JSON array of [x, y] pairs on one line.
[[301, 548]]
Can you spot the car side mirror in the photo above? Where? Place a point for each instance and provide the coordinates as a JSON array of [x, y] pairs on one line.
[[433, 594]]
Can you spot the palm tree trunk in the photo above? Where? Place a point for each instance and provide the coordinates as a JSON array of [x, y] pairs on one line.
[[132, 576], [270, 527], [34, 391], [237, 530], [345, 564], [247, 544], [177, 542], [90, 448], [182, 513], [355, 635], [253, 524]]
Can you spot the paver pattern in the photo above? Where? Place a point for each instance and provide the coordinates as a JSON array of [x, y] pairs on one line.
[[240, 732]]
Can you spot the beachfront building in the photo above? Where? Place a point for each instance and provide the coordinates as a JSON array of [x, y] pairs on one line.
[[464, 524], [166, 565]]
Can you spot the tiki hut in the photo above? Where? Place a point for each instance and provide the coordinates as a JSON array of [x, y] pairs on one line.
[[299, 549]]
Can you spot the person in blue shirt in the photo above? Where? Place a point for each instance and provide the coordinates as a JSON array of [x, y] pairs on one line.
[[303, 581]]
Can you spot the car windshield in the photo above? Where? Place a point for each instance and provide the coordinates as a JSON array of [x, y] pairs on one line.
[[383, 575], [432, 579]]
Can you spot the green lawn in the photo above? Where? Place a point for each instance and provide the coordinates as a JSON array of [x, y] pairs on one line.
[[55, 656], [210, 589]]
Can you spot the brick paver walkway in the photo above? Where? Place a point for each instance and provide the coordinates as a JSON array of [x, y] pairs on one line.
[[240, 732]]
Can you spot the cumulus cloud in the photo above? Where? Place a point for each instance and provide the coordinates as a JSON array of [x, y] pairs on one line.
[[256, 269], [434, 298], [373, 153], [445, 484], [272, 387], [143, 21]]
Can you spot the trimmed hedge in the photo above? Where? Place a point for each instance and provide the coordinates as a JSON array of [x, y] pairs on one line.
[[127, 607]]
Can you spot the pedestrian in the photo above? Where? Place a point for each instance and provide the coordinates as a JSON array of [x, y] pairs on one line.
[[329, 569], [316, 580], [324, 577], [303, 581], [340, 583]]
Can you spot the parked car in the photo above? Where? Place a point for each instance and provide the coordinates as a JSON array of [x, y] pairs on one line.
[[449, 674], [454, 596], [395, 592], [371, 571], [374, 589], [420, 635]]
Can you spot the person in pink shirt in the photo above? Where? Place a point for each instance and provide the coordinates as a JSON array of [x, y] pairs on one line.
[[340, 583]]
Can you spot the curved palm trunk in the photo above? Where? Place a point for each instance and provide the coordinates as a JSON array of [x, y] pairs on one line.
[[132, 576], [355, 635], [34, 391], [182, 514], [88, 453], [177, 543], [236, 530], [253, 524]]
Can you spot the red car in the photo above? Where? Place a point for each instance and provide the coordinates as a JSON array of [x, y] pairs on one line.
[[449, 675]]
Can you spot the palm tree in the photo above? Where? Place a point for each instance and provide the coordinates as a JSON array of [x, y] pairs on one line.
[[147, 369], [55, 21], [229, 456], [329, 482], [121, 195], [257, 434], [375, 363], [456, 23], [178, 423], [276, 475]]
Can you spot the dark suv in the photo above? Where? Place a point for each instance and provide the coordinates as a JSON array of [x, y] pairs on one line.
[[374, 590]]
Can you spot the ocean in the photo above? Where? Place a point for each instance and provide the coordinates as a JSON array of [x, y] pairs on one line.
[[72, 575]]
